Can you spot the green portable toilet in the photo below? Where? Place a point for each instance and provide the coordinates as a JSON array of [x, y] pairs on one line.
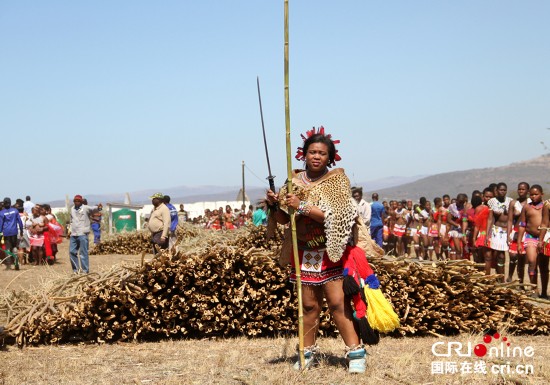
[[124, 220]]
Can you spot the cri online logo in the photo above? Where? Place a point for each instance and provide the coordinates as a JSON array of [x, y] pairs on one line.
[[496, 349], [480, 350]]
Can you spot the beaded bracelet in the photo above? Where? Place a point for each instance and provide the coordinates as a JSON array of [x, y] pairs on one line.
[[304, 208]]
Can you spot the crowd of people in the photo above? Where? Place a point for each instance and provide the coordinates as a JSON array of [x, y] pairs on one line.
[[230, 219], [482, 229], [30, 233]]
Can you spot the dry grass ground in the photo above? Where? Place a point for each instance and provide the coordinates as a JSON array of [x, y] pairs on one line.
[[256, 361], [242, 360]]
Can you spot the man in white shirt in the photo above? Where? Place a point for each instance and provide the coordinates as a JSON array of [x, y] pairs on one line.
[[363, 208], [28, 205]]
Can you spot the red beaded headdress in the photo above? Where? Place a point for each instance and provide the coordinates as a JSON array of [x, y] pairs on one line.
[[309, 133]]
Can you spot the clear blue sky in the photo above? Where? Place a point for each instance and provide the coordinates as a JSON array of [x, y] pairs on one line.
[[115, 96]]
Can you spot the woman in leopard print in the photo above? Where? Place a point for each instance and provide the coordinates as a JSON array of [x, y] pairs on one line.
[[325, 216]]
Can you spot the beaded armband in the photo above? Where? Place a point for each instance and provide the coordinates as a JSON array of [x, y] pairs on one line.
[[304, 208], [522, 224]]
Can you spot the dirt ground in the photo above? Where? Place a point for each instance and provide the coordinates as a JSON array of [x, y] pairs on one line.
[[30, 275], [258, 361]]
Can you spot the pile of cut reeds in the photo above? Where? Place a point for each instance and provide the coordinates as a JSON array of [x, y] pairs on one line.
[[228, 283]]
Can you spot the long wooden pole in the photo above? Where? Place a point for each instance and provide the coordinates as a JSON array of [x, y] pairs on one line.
[[291, 211]]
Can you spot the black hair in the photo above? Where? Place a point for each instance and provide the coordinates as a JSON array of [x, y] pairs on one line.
[[357, 189], [476, 201], [166, 199], [321, 138], [524, 183], [437, 200], [446, 196], [488, 189], [502, 184], [422, 201], [538, 187], [462, 195]]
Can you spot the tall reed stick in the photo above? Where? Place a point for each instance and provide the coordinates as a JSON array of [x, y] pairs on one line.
[[291, 211]]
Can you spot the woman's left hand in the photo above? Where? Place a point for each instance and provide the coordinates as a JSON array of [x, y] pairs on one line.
[[292, 200]]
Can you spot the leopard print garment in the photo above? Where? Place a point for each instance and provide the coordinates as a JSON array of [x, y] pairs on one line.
[[331, 194]]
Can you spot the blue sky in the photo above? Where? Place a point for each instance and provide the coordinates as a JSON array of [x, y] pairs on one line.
[[105, 97]]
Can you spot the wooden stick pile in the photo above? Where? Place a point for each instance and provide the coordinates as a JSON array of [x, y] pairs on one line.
[[454, 296], [134, 242], [229, 284]]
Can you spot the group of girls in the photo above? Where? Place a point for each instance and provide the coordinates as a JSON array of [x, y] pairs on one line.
[[41, 235], [460, 229], [228, 219]]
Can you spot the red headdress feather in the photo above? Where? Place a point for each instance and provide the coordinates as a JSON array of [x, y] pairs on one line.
[[309, 133]]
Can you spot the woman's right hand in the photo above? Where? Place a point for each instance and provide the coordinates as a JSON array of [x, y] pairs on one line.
[[271, 198]]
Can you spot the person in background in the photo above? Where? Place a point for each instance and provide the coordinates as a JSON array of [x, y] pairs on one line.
[[497, 226], [80, 230], [23, 241], [215, 220], [544, 244], [482, 252], [229, 218], [249, 213], [259, 217], [95, 218], [378, 215], [28, 205], [516, 259], [10, 226], [241, 216], [363, 208], [19, 204], [36, 225], [530, 223], [183, 215], [54, 234], [173, 220], [159, 223], [458, 222]]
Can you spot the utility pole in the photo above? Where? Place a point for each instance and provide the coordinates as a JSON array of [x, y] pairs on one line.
[[244, 192]]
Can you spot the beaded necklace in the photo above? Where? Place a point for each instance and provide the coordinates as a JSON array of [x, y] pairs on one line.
[[308, 180], [538, 206]]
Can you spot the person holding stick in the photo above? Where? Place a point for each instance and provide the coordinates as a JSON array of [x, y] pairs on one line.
[[325, 218]]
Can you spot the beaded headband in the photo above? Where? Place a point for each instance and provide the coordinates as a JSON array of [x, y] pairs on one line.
[[309, 133]]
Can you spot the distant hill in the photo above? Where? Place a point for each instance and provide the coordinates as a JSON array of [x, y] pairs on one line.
[[534, 171], [387, 182]]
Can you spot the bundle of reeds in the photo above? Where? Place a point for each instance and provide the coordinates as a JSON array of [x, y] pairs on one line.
[[229, 283], [134, 242], [454, 296]]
